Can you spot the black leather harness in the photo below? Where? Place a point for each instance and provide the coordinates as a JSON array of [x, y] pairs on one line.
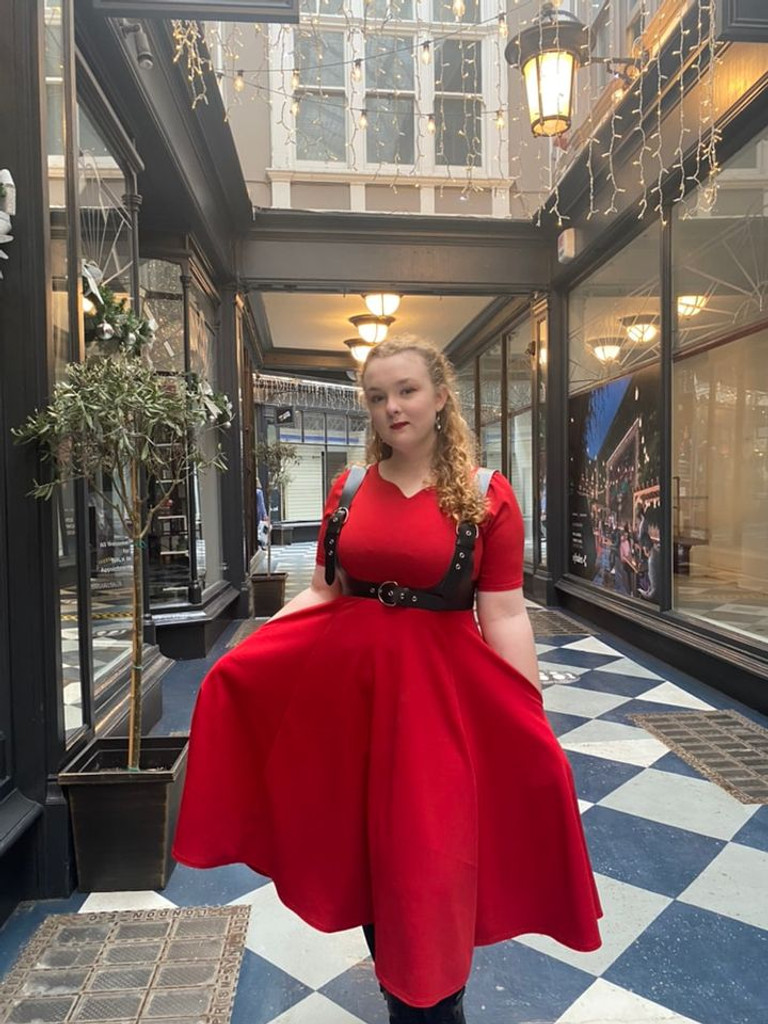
[[454, 592]]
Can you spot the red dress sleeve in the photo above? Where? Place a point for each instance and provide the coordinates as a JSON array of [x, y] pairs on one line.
[[501, 565], [331, 504]]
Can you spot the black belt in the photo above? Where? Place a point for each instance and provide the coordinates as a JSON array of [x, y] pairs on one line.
[[391, 594]]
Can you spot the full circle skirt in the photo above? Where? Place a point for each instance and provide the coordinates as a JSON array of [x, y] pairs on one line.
[[386, 765]]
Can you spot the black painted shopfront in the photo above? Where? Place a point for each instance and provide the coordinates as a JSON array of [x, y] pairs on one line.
[[118, 194]]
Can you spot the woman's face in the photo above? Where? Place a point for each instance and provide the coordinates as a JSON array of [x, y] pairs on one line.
[[402, 400]]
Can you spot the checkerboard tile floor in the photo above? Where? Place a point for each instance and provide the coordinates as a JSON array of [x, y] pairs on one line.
[[682, 869]]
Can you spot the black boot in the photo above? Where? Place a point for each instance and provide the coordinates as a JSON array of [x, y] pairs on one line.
[[447, 1011], [400, 1012]]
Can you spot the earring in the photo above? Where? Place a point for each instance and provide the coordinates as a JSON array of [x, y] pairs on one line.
[[438, 422]]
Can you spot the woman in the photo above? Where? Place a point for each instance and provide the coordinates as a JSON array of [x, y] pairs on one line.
[[385, 762]]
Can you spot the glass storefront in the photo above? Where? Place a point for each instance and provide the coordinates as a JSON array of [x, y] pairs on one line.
[[519, 470], [614, 427], [65, 347], [720, 400], [490, 370]]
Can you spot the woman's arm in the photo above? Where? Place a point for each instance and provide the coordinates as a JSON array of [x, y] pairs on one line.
[[506, 628], [318, 592]]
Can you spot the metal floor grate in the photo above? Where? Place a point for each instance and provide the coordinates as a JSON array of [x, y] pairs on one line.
[[551, 623], [175, 966], [726, 747]]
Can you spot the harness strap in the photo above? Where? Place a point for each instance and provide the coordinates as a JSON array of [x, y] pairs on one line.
[[349, 490], [455, 591]]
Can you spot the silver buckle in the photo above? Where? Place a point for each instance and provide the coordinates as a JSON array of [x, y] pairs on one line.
[[339, 510], [387, 583]]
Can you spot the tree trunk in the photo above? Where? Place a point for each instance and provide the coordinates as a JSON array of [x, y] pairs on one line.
[[134, 721]]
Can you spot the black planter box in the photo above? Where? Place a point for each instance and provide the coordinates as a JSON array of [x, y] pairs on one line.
[[123, 822], [268, 592]]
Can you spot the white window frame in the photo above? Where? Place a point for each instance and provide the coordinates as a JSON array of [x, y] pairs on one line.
[[494, 142]]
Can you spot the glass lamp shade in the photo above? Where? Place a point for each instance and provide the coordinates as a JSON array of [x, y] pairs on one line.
[[549, 90], [372, 328], [359, 348], [640, 328], [382, 303], [606, 349], [549, 52], [690, 305]]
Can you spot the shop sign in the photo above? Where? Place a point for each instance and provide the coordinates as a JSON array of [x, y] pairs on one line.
[[743, 21], [203, 10]]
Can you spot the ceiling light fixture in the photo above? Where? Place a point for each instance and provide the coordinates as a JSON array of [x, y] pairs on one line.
[[606, 349], [372, 329], [640, 327], [382, 303], [690, 305], [359, 348]]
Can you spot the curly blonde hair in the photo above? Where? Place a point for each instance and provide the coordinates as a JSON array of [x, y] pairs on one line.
[[454, 458]]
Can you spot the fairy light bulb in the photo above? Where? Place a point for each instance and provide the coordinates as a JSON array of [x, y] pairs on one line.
[[459, 8], [295, 79], [357, 70], [431, 124], [362, 121], [295, 106], [503, 26], [500, 120], [239, 83], [426, 53]]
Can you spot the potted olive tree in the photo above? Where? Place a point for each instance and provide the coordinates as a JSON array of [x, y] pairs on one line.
[[268, 589], [114, 418]]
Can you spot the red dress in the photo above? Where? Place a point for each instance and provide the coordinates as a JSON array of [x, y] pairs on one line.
[[386, 765]]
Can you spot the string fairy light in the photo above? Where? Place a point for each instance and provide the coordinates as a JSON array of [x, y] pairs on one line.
[[424, 123]]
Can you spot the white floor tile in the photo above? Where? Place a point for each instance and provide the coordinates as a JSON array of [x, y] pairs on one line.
[[615, 742], [734, 884], [584, 805], [553, 666], [103, 902], [575, 700], [316, 1009], [625, 667], [540, 649], [592, 645], [668, 693], [678, 800], [604, 1003], [280, 936], [628, 912]]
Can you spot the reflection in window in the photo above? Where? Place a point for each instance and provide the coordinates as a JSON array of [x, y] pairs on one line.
[[490, 408], [613, 317], [389, 99], [458, 103], [64, 350], [520, 426], [721, 251]]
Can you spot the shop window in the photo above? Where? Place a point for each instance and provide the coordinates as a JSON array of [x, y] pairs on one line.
[[720, 401], [465, 380], [106, 248], [490, 408], [72, 678], [614, 423], [541, 355], [721, 252], [520, 426]]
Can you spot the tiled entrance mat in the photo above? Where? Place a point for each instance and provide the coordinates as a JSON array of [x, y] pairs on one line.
[[724, 746], [175, 966], [244, 630], [550, 623]]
